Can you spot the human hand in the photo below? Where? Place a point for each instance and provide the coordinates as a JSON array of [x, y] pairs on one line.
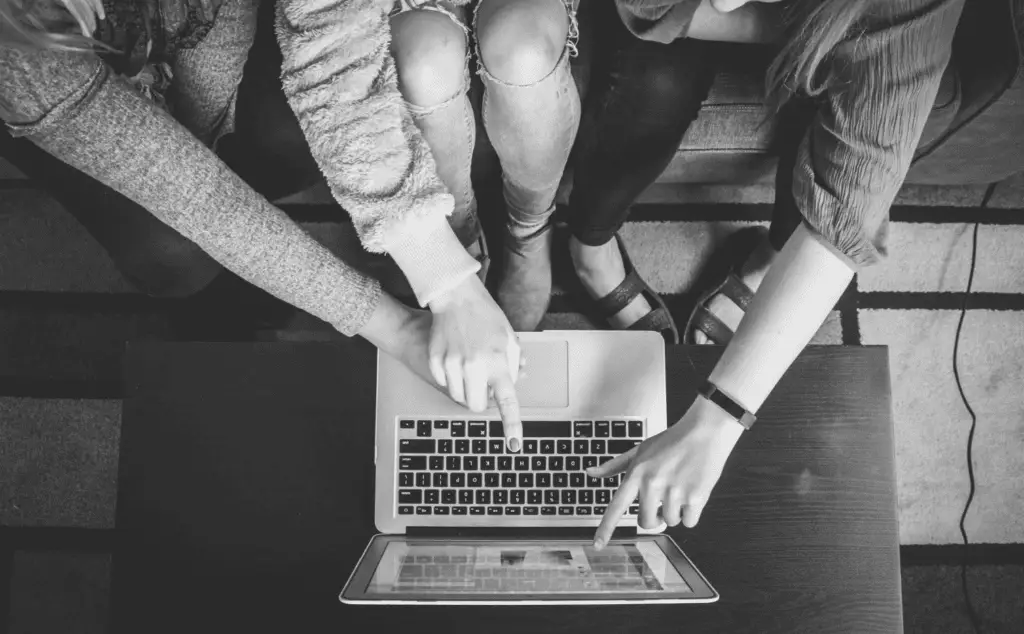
[[86, 13], [671, 472], [474, 353], [413, 344]]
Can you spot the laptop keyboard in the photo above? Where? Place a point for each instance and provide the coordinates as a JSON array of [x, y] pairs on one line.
[[462, 467]]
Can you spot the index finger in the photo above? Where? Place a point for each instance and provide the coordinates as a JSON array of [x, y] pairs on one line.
[[618, 507], [508, 406]]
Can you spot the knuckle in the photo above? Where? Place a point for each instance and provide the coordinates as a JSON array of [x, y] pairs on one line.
[[654, 480], [472, 362]]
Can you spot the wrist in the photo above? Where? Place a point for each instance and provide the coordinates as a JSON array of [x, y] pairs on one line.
[[716, 421], [431, 257], [712, 393], [466, 290], [388, 324]]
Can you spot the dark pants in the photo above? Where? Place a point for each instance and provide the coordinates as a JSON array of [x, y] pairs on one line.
[[791, 126], [642, 97], [268, 150]]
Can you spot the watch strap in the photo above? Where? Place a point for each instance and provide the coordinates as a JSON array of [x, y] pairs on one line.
[[727, 404]]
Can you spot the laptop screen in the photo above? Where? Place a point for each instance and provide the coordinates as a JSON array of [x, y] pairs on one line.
[[427, 568]]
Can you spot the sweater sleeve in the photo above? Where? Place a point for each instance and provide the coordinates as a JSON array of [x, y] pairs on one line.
[[342, 84], [74, 108], [856, 154]]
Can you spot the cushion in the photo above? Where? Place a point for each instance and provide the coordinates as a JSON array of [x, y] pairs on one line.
[[731, 141]]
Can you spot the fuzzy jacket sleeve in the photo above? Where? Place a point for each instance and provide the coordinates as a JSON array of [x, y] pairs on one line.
[[342, 84]]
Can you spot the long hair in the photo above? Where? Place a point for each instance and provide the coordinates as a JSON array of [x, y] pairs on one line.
[[26, 24], [816, 27]]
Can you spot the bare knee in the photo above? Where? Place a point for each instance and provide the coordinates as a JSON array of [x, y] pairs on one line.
[[430, 53], [521, 41]]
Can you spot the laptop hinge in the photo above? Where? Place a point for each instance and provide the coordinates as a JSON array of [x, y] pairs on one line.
[[548, 532]]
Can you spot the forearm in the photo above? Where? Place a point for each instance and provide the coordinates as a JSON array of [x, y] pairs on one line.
[[665, 21], [113, 134], [800, 289], [753, 23], [389, 317], [849, 168], [342, 84]]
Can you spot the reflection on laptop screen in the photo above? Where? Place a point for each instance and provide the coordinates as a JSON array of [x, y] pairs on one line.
[[524, 567]]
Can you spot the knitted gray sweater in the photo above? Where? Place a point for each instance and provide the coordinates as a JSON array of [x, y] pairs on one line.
[[373, 157]]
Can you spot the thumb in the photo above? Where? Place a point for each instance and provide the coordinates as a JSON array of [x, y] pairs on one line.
[[618, 464]]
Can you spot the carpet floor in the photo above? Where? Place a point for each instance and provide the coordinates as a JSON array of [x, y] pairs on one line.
[[65, 314]]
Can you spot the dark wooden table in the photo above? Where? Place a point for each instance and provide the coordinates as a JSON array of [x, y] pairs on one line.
[[246, 495]]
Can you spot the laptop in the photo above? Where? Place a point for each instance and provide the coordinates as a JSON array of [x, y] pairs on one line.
[[464, 521]]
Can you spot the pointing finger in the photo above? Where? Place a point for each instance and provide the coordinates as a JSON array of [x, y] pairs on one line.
[[618, 507], [508, 406], [618, 464]]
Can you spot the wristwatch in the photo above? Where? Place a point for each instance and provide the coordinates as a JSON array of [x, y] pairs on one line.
[[727, 404]]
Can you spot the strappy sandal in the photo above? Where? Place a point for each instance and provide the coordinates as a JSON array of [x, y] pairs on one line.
[[725, 266], [659, 319]]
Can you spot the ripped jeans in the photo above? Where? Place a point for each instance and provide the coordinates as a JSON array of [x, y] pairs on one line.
[[532, 124]]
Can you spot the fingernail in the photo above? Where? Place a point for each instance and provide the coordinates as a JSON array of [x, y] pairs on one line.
[[513, 444], [599, 544]]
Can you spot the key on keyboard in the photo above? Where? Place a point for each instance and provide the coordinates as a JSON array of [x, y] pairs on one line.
[[460, 467]]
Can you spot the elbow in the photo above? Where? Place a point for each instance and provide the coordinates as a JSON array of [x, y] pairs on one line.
[[41, 100]]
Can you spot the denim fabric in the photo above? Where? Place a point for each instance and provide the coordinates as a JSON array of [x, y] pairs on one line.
[[532, 128], [449, 128]]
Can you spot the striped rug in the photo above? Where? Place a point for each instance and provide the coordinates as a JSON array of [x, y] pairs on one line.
[[65, 314]]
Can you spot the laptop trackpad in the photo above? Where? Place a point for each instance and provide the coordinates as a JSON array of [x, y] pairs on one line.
[[546, 383]]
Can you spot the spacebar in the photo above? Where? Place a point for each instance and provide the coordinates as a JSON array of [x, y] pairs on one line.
[[547, 429]]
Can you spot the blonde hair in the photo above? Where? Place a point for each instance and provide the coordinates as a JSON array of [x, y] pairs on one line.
[[817, 27], [23, 24]]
